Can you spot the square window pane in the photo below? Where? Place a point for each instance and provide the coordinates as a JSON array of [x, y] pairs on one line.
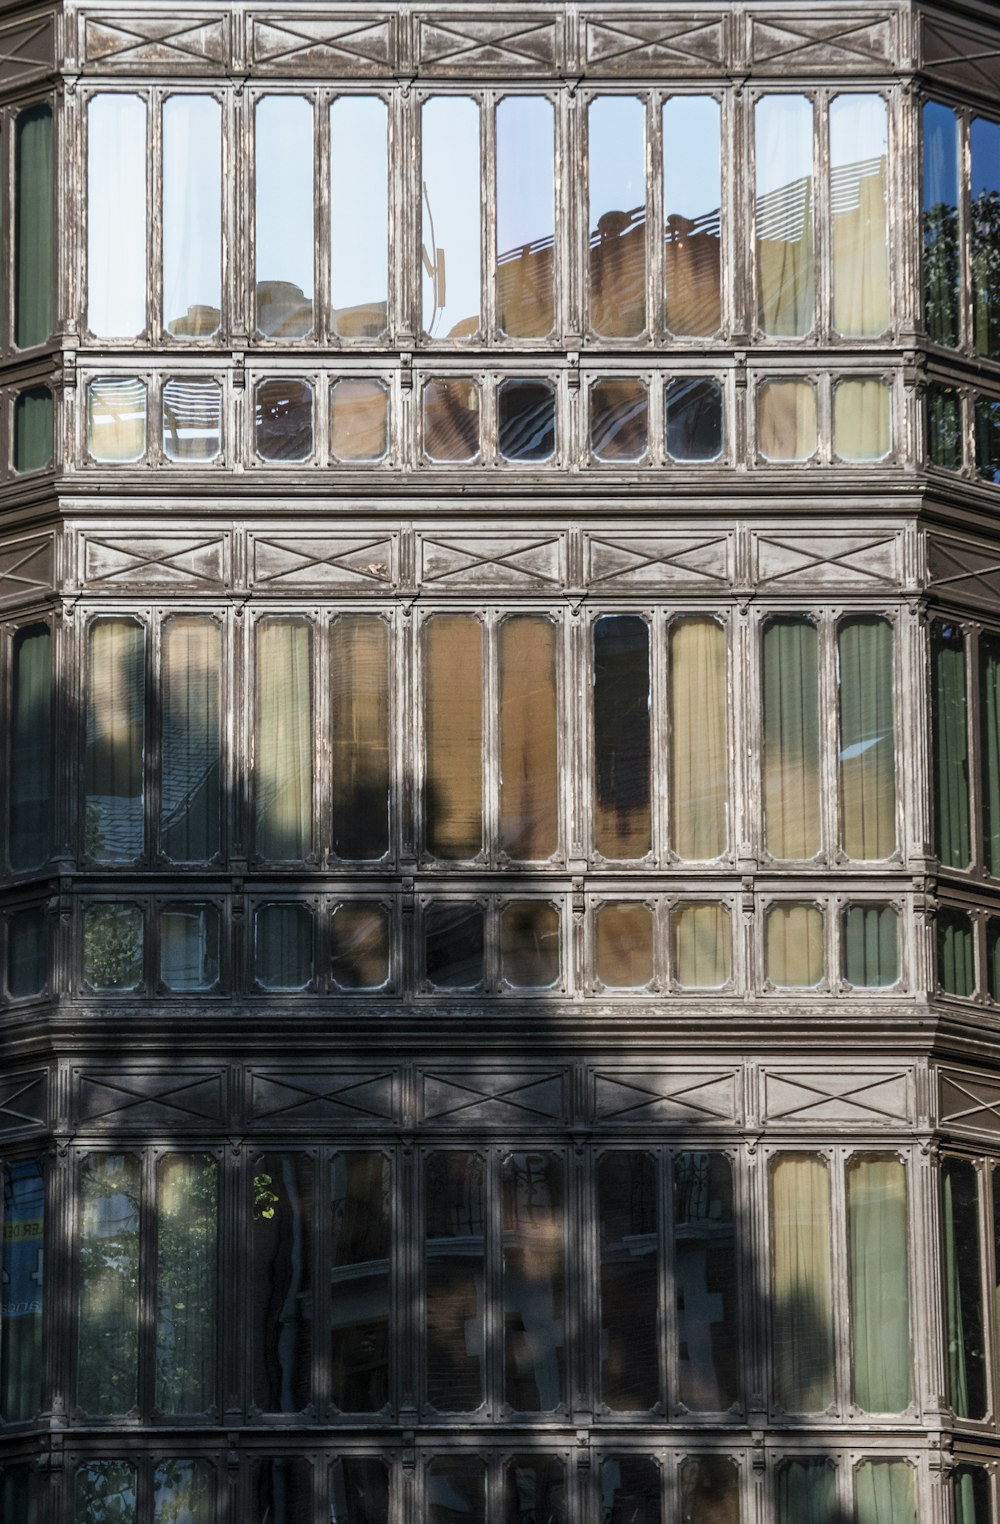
[[284, 419], [359, 419], [619, 419], [526, 420], [451, 419], [694, 419], [786, 420], [192, 419], [116, 418]]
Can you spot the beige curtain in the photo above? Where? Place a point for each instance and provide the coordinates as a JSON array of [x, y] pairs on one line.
[[453, 697], [862, 420], [359, 414], [786, 420], [116, 736], [859, 222], [190, 748], [795, 945], [802, 1286], [623, 935], [784, 215], [529, 784], [283, 753], [880, 1286], [698, 755], [702, 946]]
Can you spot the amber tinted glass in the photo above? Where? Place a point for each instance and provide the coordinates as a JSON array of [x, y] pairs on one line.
[[525, 216], [619, 419], [451, 419], [795, 953], [359, 950], [190, 744], [786, 420], [623, 935], [360, 1357], [699, 769], [628, 1215], [529, 944], [359, 704], [622, 819], [359, 419], [453, 790], [529, 817], [455, 1269]]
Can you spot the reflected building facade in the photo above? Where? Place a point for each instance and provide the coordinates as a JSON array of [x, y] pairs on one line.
[[500, 805]]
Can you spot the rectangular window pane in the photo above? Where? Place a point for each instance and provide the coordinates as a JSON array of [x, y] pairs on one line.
[[281, 1269], [360, 935], [360, 1286], [525, 216], [34, 230], [359, 1490], [871, 945], [105, 1489], [455, 1270], [862, 420], [359, 217], [699, 763], [33, 429], [453, 697], [22, 1262], [964, 1328], [807, 1490], [452, 217], [859, 148], [529, 809], [942, 261], [884, 1493], [30, 744], [283, 225], [631, 1491], [706, 1283], [455, 1490], [623, 944], [186, 1309], [359, 703], [784, 215], [692, 214], [791, 738], [192, 419], [116, 419], [113, 947], [529, 944], [27, 953], [802, 1287], [622, 812], [281, 1490], [534, 1273], [534, 1487], [108, 1347], [19, 1491], [970, 1492], [945, 430], [183, 1492], [880, 1285], [116, 734], [616, 128], [794, 946], [283, 946], [952, 838], [956, 970], [189, 946], [984, 231], [710, 1491], [116, 216], [283, 761], [455, 945], [359, 425], [192, 216], [866, 696], [989, 721], [702, 946], [619, 419], [786, 420], [190, 743], [628, 1218]]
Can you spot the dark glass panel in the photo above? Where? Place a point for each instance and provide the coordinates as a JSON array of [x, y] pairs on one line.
[[284, 419], [453, 699], [988, 439], [970, 1492], [630, 1490], [945, 446], [191, 742], [454, 945], [455, 1490], [628, 1217], [30, 743], [455, 1260], [529, 944], [108, 1335], [105, 1493], [706, 1282], [942, 258], [19, 1494], [534, 1490], [623, 937], [359, 952], [710, 1490], [871, 946], [964, 1328], [984, 235], [993, 958], [525, 128], [192, 419], [359, 1490], [33, 429], [283, 945], [359, 725], [694, 418], [281, 1270], [34, 232], [451, 419], [534, 1273], [27, 953], [619, 419], [183, 1492], [187, 1192], [360, 1286], [956, 961], [22, 1263], [526, 419], [949, 726], [280, 1490], [529, 782], [116, 739], [622, 816], [113, 947], [807, 1491]]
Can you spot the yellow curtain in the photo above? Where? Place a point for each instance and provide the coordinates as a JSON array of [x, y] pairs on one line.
[[453, 789], [698, 761], [283, 758], [862, 421], [802, 1285], [702, 946], [786, 420], [795, 945], [529, 784]]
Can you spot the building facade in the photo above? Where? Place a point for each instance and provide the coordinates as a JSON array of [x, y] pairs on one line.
[[500, 814]]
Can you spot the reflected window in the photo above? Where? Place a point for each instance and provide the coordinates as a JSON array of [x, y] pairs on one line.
[[862, 420], [34, 228], [113, 947], [192, 216], [693, 407], [795, 952], [283, 947], [186, 1217], [359, 945], [451, 417], [526, 420], [984, 235], [707, 1282], [359, 419], [114, 803], [871, 946], [359, 216], [455, 945], [102, 1485], [283, 229], [692, 215], [29, 738], [116, 216], [616, 138], [623, 944], [192, 419], [859, 222], [189, 946], [621, 698], [786, 420], [116, 418], [529, 944], [27, 958], [109, 1297], [784, 215], [525, 226], [283, 414], [987, 425], [619, 419], [455, 1271], [33, 429], [942, 259], [945, 443], [184, 1490], [452, 217]]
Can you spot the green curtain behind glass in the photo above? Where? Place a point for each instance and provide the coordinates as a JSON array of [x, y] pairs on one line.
[[34, 250], [884, 1493], [791, 738], [807, 1493], [33, 429], [951, 749], [989, 748], [970, 1491], [871, 945], [867, 737], [963, 1306], [956, 960], [29, 747], [880, 1286]]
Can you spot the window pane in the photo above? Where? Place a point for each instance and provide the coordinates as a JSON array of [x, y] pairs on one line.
[[616, 127], [802, 1288], [534, 1488], [692, 215], [454, 945], [880, 1285], [359, 723], [186, 1308], [955, 954], [280, 1490], [866, 697], [283, 938], [622, 814], [116, 216], [192, 216], [34, 232], [112, 947], [784, 215], [884, 1493], [360, 1288], [455, 1270], [451, 419], [694, 418], [993, 958], [192, 419], [859, 147], [529, 784], [105, 1490], [984, 230], [116, 739], [33, 429], [190, 740], [942, 260], [359, 212], [359, 1490], [108, 1348], [453, 699], [970, 1492], [452, 217], [628, 1217], [359, 950], [189, 946], [116, 419], [710, 1491], [699, 767], [359, 419], [19, 1489], [183, 1492], [791, 738], [989, 721], [963, 1298], [807, 1491], [630, 1490], [987, 420], [619, 419], [786, 420], [281, 1265], [27, 955], [525, 216], [623, 951], [953, 842], [283, 226], [283, 761], [529, 944], [795, 954], [871, 945], [945, 445], [862, 420], [534, 1273], [526, 420], [706, 1282], [284, 419], [702, 946], [22, 1261], [30, 747], [455, 1490]]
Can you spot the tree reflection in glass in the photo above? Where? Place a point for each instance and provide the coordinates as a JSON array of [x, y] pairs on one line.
[[280, 1314], [283, 229], [108, 1347], [452, 217], [105, 1493], [359, 213], [183, 1492], [186, 1311], [525, 216], [616, 126]]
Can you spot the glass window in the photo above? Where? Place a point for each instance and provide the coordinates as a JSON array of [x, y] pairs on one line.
[[192, 216], [942, 260], [283, 944], [795, 953], [183, 1490], [883, 1491], [871, 946], [359, 419], [359, 722], [116, 216], [453, 699], [862, 420], [280, 1315], [989, 749], [623, 938], [359, 950], [189, 946], [984, 230], [29, 762], [34, 230], [944, 427], [619, 419], [987, 430], [190, 739], [965, 1333], [534, 1485], [108, 1347], [451, 417], [694, 418], [881, 1379], [33, 429], [807, 1490], [452, 217], [526, 420], [283, 416], [802, 1288], [455, 1285], [630, 1491], [709, 1490], [534, 1274], [525, 129], [186, 1304], [706, 1283], [103, 1485], [955, 954], [970, 1493], [455, 945], [192, 419], [692, 215], [786, 420], [859, 231], [116, 739], [19, 1493], [22, 1261], [360, 1289], [359, 1490], [529, 944], [27, 955], [283, 227], [622, 812], [113, 947], [993, 958], [283, 751], [359, 217], [699, 768], [791, 738], [950, 741], [702, 946], [529, 781], [281, 1489], [784, 215], [616, 128], [116, 418], [866, 706], [455, 1490]]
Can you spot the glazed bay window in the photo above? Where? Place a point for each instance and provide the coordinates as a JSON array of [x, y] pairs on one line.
[[961, 229]]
